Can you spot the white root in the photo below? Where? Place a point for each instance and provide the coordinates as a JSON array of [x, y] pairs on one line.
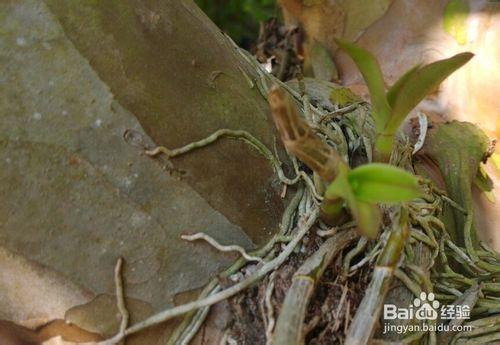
[[220, 247], [422, 122]]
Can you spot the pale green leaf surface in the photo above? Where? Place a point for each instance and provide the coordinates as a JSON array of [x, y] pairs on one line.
[[393, 92], [420, 83], [459, 161], [378, 182], [340, 186], [367, 215]]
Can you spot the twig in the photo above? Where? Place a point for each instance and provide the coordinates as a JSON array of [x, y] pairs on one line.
[[220, 247]]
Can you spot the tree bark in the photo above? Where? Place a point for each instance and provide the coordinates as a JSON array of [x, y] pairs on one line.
[[169, 65]]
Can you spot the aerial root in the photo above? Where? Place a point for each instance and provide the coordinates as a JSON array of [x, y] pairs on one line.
[[122, 308], [220, 247]]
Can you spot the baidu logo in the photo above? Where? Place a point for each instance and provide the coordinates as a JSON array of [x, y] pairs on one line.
[[426, 307]]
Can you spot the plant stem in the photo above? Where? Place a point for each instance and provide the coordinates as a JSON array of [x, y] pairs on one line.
[[383, 147], [366, 318], [331, 210], [289, 328]]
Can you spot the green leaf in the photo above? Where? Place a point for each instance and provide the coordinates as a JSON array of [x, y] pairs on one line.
[[392, 94], [369, 68], [458, 148], [375, 183], [483, 181], [485, 184], [335, 196], [367, 215], [419, 83], [340, 186]]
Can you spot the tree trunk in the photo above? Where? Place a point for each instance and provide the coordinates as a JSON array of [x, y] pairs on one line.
[[75, 195], [170, 66]]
